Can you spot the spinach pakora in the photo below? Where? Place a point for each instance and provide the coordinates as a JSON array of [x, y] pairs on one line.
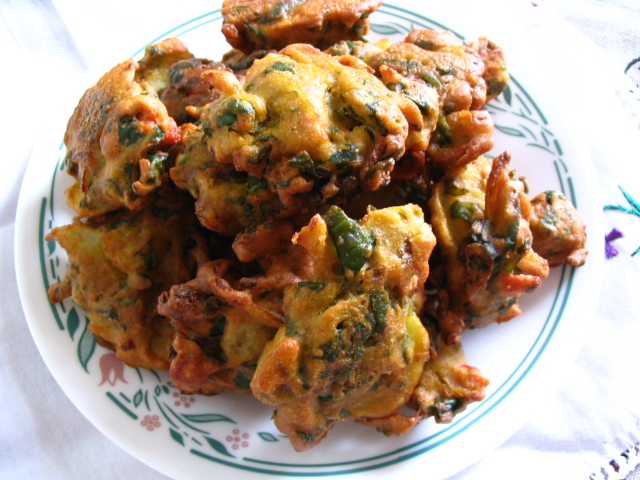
[[353, 345], [120, 264], [251, 25]]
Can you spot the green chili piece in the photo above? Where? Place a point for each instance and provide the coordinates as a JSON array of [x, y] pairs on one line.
[[353, 243], [453, 189], [467, 211], [443, 130]]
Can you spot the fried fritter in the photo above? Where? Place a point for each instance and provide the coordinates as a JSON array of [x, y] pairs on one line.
[[312, 128], [116, 140], [227, 201], [218, 344], [189, 88], [225, 315], [559, 233], [158, 59], [447, 386], [250, 25], [353, 345], [485, 245], [458, 74], [118, 265]]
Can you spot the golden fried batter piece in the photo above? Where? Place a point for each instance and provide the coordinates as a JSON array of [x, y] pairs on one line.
[[189, 88], [158, 59], [447, 386], [227, 201], [313, 128], [214, 352], [485, 244], [559, 233], [116, 140], [251, 25], [226, 315], [360, 49], [495, 75], [458, 73], [118, 265], [353, 345]]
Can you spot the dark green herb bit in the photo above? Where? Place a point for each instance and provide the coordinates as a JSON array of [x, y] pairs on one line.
[[467, 211], [379, 302], [496, 86], [303, 162], [346, 155], [307, 437], [230, 110], [315, 286], [354, 243], [280, 67], [128, 133], [242, 381]]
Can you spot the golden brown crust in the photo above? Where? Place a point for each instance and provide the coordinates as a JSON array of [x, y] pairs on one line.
[[559, 233], [115, 133], [119, 265], [485, 242], [251, 25]]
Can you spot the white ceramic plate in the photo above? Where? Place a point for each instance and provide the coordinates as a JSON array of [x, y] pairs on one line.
[[193, 437]]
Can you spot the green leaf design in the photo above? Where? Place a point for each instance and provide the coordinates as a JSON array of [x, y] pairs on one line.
[[268, 437], [207, 418], [383, 29], [177, 436], [137, 398], [73, 322], [510, 131], [157, 390], [218, 447], [51, 245], [86, 347], [507, 95]]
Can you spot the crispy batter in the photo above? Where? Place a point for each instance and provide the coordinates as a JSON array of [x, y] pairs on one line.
[[353, 345], [458, 73], [485, 242], [225, 316], [251, 25], [119, 265], [312, 128], [227, 201], [559, 233], [218, 344], [190, 88], [447, 386], [116, 142], [158, 60]]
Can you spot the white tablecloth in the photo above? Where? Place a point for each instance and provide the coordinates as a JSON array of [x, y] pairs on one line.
[[585, 420]]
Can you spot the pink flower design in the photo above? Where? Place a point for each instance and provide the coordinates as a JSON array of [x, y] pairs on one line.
[[112, 369], [183, 400], [237, 440], [151, 422]]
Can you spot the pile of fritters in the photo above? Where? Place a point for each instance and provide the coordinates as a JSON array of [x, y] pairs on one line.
[[310, 219]]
